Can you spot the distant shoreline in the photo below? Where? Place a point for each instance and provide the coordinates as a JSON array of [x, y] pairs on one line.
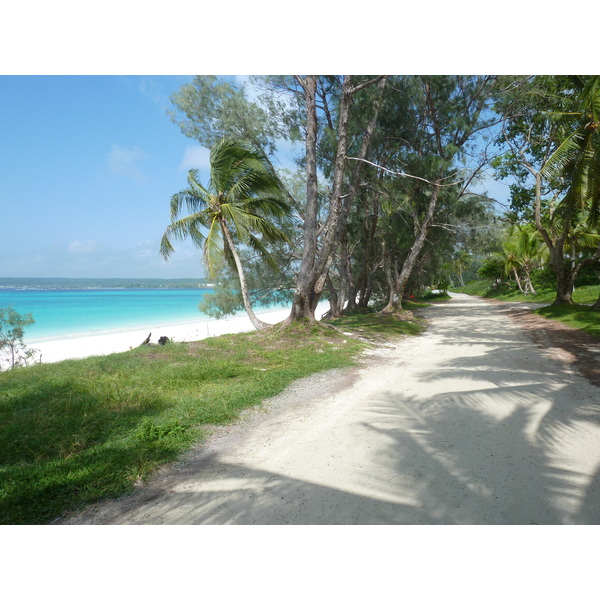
[[101, 283]]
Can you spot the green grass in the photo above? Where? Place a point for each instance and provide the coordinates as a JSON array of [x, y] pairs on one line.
[[380, 328], [582, 295], [581, 317], [79, 431]]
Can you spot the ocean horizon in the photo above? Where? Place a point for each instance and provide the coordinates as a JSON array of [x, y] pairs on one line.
[[65, 312]]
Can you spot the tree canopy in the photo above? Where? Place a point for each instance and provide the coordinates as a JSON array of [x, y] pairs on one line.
[[385, 198]]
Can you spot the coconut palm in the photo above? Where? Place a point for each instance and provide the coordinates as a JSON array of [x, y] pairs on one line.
[[523, 248], [240, 205], [578, 156]]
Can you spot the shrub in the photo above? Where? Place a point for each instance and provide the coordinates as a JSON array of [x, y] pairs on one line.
[[492, 268], [13, 351]]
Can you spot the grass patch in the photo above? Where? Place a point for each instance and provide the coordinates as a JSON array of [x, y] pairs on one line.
[[382, 328], [78, 431], [583, 318], [509, 293]]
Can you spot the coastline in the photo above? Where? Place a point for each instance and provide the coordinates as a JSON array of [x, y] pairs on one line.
[[121, 341]]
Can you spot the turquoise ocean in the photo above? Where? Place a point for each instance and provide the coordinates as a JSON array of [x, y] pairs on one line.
[[66, 313]]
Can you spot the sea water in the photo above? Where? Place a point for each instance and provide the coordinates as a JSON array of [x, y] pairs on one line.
[[66, 313]]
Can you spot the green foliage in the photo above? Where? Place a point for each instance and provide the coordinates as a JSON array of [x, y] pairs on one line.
[[492, 267], [208, 109], [13, 351], [243, 194], [544, 277], [588, 275], [441, 295], [510, 293], [242, 205]]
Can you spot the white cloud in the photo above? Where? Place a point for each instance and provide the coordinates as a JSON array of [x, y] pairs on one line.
[[151, 88], [195, 157], [123, 161], [87, 247]]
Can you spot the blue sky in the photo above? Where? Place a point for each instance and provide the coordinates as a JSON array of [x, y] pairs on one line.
[[88, 166]]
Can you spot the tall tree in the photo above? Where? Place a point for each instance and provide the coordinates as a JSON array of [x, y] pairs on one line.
[[319, 241], [553, 156], [450, 115], [241, 204]]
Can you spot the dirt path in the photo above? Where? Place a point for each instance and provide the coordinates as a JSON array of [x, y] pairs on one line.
[[471, 423]]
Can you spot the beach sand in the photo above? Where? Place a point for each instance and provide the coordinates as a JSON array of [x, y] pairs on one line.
[[102, 344]]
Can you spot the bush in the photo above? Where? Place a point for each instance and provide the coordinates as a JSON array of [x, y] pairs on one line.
[[13, 352], [492, 268], [588, 275], [544, 277]]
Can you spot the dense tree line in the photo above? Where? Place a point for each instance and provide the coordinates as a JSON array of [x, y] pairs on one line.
[[382, 201]]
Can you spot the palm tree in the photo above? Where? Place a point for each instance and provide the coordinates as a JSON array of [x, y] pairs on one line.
[[462, 260], [240, 205], [577, 159], [523, 248], [578, 156]]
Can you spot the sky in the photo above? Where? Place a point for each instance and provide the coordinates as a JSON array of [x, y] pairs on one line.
[[88, 166]]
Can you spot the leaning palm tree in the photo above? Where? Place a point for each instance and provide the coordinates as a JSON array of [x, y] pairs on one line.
[[240, 205]]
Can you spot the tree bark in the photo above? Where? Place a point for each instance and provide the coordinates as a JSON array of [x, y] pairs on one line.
[[564, 276], [316, 261], [395, 301], [529, 285], [347, 284], [256, 322], [518, 280]]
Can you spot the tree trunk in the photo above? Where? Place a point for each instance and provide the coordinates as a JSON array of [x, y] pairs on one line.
[[346, 276], [528, 280], [256, 322], [334, 305], [303, 294], [564, 286], [564, 275], [518, 280], [411, 260], [315, 263]]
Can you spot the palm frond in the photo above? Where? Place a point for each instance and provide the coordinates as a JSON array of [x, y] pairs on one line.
[[268, 205], [186, 228], [563, 156], [213, 247], [196, 188], [259, 247]]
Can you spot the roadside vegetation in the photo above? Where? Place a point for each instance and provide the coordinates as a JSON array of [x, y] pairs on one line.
[[78, 431], [580, 315], [581, 295]]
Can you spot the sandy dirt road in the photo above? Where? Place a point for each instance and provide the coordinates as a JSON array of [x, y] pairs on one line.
[[470, 423]]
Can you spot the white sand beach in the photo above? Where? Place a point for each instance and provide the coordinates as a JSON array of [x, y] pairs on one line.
[[102, 344]]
